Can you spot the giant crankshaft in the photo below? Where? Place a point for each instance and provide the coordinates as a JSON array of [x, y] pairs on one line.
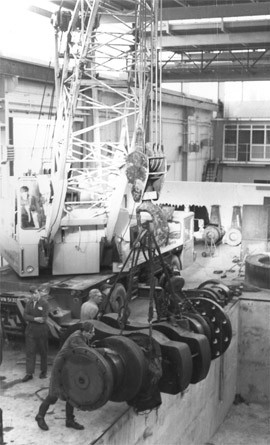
[[138, 363]]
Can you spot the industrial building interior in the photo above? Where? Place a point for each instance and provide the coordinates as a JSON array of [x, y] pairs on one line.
[[135, 160]]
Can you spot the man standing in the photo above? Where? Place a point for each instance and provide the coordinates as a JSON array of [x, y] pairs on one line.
[[36, 334], [81, 337], [90, 308], [28, 207]]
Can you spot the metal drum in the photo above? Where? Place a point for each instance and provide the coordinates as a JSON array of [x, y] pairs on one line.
[[234, 236], [257, 270], [213, 234]]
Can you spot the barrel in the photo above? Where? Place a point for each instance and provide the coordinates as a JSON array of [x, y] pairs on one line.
[[213, 234]]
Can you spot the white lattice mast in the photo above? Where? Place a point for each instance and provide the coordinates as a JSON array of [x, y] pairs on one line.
[[99, 61]]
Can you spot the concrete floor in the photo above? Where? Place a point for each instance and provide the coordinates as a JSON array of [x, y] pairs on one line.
[[222, 265], [244, 424], [20, 402]]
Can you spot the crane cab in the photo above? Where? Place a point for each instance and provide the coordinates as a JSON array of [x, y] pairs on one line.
[[24, 209]]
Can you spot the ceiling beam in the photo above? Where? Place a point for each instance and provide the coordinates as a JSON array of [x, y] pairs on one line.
[[223, 56], [214, 41], [26, 70], [176, 98], [221, 74], [40, 11], [198, 27], [207, 12], [198, 12]]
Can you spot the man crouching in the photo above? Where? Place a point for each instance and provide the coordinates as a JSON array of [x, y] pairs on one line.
[[81, 337]]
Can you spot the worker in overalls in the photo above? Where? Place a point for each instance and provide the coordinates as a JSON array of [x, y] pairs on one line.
[[82, 337], [36, 334]]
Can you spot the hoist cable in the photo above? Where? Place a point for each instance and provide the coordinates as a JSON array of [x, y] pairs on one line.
[[46, 145], [40, 112]]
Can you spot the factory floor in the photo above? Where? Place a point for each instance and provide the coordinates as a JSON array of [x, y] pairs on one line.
[[247, 424]]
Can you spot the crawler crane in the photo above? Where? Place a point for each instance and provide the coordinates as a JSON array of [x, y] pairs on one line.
[[99, 222], [105, 159]]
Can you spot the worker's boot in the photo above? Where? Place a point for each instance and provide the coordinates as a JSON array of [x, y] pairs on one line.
[[70, 419], [27, 377], [41, 422], [71, 423]]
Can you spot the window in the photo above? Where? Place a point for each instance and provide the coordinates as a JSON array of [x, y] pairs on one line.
[[244, 142], [244, 134], [230, 146], [30, 205]]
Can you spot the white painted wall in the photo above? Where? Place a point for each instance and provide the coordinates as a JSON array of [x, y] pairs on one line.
[[254, 348], [241, 99], [172, 137]]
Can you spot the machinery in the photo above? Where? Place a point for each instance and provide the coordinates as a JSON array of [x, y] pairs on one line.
[[82, 219], [213, 232], [73, 211], [135, 362]]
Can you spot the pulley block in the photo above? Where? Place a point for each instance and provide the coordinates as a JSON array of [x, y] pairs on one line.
[[218, 321], [160, 226], [137, 172]]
